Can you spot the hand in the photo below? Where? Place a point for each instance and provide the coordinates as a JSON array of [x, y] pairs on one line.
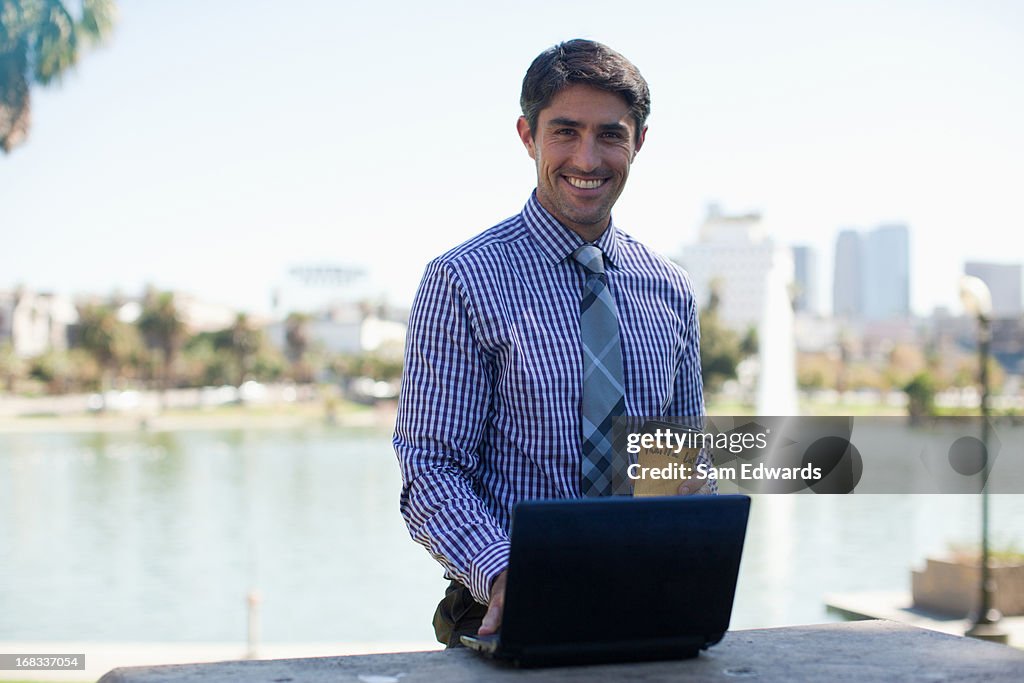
[[495, 606], [693, 486]]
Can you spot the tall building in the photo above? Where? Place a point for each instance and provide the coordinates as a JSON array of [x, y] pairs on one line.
[[848, 277], [734, 256], [872, 274], [1004, 282], [887, 273], [805, 280]]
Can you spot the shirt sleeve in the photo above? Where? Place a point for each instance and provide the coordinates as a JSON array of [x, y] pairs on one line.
[[442, 409], [688, 395]]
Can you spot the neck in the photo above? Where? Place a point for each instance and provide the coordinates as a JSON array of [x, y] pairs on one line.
[[588, 233]]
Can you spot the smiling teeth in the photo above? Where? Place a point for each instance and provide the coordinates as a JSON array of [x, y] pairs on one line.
[[584, 184]]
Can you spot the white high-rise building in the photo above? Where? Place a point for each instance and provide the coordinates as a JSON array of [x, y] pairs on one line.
[[734, 255]]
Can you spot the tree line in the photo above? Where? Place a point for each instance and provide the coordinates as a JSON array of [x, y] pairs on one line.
[[158, 351]]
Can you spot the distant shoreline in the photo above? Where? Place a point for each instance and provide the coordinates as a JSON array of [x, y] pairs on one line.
[[311, 415]]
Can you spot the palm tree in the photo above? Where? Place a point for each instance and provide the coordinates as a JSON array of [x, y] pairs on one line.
[[297, 342], [39, 41], [245, 342], [110, 341], [162, 327], [11, 367], [720, 351]]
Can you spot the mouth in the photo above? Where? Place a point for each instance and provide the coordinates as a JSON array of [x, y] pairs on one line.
[[585, 183]]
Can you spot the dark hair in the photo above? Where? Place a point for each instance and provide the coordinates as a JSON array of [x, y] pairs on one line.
[[589, 63]]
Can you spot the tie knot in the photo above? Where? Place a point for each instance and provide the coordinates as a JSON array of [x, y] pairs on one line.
[[591, 258]]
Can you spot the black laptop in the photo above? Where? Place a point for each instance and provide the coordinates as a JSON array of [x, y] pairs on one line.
[[618, 579]]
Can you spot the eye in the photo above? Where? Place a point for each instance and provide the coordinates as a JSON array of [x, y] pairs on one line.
[[613, 135], [565, 131]]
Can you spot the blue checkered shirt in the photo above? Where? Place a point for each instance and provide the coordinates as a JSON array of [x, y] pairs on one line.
[[489, 412]]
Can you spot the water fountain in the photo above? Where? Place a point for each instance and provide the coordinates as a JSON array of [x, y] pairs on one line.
[[776, 388]]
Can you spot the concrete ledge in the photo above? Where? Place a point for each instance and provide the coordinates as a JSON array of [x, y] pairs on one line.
[[840, 653], [101, 657]]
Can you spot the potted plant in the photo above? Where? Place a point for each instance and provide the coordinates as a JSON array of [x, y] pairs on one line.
[[950, 585]]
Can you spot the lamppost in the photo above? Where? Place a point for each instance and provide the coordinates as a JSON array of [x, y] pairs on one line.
[[977, 301]]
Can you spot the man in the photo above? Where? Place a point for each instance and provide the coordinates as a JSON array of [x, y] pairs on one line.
[[527, 340]]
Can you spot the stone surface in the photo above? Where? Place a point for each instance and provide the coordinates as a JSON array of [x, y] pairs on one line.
[[858, 651], [102, 656]]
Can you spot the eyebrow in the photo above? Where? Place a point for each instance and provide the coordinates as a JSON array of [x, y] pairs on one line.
[[571, 123]]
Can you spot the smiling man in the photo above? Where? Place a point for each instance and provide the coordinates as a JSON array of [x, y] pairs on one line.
[[527, 341], [583, 141]]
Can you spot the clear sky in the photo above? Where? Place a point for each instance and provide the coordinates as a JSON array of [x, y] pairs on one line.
[[210, 146]]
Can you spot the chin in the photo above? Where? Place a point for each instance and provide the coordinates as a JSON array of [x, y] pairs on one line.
[[589, 217]]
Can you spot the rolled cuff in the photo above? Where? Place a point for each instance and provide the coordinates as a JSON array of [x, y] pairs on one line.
[[484, 569]]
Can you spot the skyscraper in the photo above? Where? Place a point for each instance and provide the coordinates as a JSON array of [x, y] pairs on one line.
[[847, 282], [1004, 282], [872, 274], [886, 283], [805, 278]]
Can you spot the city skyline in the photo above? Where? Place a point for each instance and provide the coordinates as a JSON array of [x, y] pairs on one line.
[[872, 273], [210, 149]]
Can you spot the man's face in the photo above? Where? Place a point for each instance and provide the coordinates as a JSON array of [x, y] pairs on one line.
[[585, 140]]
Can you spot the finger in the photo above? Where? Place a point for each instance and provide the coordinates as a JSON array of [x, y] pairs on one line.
[[691, 486], [492, 620]]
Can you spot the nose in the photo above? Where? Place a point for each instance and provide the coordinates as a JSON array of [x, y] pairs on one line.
[[586, 156]]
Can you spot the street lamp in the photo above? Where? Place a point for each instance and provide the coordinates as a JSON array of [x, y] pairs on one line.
[[977, 301]]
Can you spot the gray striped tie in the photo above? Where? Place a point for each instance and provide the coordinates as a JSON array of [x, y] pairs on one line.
[[603, 386]]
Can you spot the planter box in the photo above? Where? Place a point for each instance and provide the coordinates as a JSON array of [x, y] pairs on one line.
[[950, 587]]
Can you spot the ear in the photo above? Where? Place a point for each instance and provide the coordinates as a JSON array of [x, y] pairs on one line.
[[640, 140], [526, 136]]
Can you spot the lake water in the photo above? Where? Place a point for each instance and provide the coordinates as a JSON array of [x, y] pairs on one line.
[[159, 536]]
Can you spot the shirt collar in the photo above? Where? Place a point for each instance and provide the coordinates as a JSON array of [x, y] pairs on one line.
[[558, 242]]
